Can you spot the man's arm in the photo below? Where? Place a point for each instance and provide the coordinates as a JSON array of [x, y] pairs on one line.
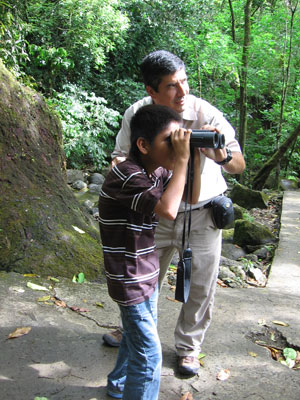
[[235, 166]]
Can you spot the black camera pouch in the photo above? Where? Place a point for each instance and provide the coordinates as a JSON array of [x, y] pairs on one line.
[[222, 211], [183, 280]]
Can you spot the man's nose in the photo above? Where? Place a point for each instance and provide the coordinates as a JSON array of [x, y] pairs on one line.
[[181, 89]]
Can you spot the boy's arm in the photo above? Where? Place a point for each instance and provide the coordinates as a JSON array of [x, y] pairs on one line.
[[168, 204]]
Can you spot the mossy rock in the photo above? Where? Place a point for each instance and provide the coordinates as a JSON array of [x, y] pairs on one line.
[[248, 198], [43, 228], [249, 233]]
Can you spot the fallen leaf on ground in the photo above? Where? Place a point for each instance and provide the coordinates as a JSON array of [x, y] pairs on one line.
[[223, 375], [80, 278], [99, 305], [19, 332], [53, 279], [44, 298], [280, 323], [34, 286], [252, 354], [187, 396], [79, 309], [78, 229], [60, 303], [170, 298]]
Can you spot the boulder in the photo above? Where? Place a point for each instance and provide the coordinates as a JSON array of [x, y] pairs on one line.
[[248, 198], [249, 233], [232, 251], [74, 175]]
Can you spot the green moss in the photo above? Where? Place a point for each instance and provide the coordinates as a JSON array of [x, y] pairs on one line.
[[37, 208]]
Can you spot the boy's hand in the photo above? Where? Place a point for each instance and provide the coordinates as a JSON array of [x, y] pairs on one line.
[[180, 140]]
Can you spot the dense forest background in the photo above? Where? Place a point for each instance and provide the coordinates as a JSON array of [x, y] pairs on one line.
[[243, 56]]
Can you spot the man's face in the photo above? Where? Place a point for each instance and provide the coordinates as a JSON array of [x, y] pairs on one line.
[[172, 91]]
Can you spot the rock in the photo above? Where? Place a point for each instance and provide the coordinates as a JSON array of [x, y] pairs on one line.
[[289, 184], [234, 266], [231, 251], [79, 185], [94, 188], [263, 253], [251, 257], [248, 233], [74, 175], [248, 198], [239, 211], [227, 235], [238, 271], [89, 205], [258, 275], [95, 212], [41, 219], [96, 178], [225, 273]]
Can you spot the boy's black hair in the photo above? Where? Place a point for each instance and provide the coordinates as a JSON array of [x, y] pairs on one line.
[[148, 122], [158, 64]]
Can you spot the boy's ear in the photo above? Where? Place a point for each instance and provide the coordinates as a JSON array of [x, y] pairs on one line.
[[142, 145]]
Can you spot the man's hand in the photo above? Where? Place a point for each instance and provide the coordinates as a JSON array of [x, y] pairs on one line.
[[237, 163], [214, 154]]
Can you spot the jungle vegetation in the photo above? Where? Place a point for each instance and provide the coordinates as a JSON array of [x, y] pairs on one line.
[[83, 56]]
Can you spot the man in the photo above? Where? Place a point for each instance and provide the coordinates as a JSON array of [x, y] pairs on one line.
[[166, 84]]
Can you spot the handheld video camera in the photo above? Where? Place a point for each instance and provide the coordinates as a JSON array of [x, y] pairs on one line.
[[208, 139]]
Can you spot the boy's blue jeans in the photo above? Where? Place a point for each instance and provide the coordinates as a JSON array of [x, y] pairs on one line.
[[138, 366]]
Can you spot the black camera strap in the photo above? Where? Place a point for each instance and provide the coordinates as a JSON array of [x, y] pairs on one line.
[[184, 268], [188, 194]]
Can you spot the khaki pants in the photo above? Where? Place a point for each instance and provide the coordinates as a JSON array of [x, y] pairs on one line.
[[205, 242]]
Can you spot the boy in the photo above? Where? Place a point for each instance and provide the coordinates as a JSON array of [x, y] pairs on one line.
[[134, 193]]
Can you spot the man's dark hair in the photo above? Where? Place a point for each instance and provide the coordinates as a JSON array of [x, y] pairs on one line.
[[158, 64], [148, 122]]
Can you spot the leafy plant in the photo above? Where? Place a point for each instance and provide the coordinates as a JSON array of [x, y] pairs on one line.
[[88, 126]]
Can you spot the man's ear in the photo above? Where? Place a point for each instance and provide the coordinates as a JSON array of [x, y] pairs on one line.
[[151, 92], [143, 145]]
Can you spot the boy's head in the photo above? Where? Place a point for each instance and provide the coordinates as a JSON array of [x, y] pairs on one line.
[[150, 121], [165, 79]]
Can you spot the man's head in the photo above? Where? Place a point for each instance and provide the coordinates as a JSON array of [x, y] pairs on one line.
[[165, 79], [151, 127]]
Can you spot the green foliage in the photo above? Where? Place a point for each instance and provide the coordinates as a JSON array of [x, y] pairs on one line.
[[13, 49], [98, 45], [67, 40], [89, 126]]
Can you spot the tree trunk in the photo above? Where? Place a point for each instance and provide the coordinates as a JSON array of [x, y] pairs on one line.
[[39, 215], [243, 77], [263, 174]]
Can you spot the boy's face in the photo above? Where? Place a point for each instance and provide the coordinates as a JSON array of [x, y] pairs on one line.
[[172, 91], [160, 152]]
